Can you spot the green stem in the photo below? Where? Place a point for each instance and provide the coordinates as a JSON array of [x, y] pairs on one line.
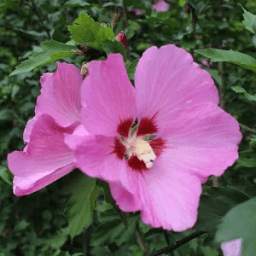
[[86, 241], [166, 237], [141, 241], [177, 244], [221, 86], [125, 16], [247, 128]]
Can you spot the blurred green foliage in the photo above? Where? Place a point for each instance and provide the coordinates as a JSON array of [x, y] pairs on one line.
[[245, 213], [59, 221]]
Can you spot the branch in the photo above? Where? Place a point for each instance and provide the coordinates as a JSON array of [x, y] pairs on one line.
[[178, 244], [166, 237], [86, 241], [140, 241], [247, 128], [125, 16]]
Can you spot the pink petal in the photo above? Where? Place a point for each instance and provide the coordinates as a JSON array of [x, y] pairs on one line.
[[22, 184], [232, 248], [167, 79], [28, 129], [170, 196], [167, 195], [76, 138], [126, 201], [95, 157], [60, 94], [107, 96], [204, 139], [160, 6], [46, 158]]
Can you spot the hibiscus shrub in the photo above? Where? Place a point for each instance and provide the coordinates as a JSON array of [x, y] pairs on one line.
[[127, 127]]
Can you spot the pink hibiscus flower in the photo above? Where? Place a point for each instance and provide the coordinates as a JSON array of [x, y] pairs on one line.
[[232, 248], [157, 142], [46, 157], [160, 6]]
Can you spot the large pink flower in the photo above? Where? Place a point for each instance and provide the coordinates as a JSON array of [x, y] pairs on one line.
[[232, 248], [46, 157], [158, 142]]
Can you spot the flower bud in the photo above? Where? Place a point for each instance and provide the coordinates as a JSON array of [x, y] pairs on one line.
[[122, 39]]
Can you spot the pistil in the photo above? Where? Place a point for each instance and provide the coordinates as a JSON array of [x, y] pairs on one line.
[[138, 143]]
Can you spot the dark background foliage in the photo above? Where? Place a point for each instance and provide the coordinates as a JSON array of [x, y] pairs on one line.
[[40, 224]]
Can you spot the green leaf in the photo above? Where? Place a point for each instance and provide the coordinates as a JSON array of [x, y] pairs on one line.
[[242, 91], [35, 60], [49, 52], [234, 57], [240, 222], [57, 49], [86, 31], [114, 46], [249, 21], [5, 175], [78, 3], [215, 74], [215, 204], [246, 159], [6, 115], [182, 3], [114, 230], [83, 193], [57, 240]]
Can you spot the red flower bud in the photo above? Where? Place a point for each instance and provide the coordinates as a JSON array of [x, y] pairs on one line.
[[122, 39]]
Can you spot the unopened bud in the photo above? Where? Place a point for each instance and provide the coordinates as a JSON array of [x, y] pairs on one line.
[[84, 69], [122, 39]]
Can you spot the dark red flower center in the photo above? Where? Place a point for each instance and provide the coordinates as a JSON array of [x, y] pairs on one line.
[[138, 143]]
